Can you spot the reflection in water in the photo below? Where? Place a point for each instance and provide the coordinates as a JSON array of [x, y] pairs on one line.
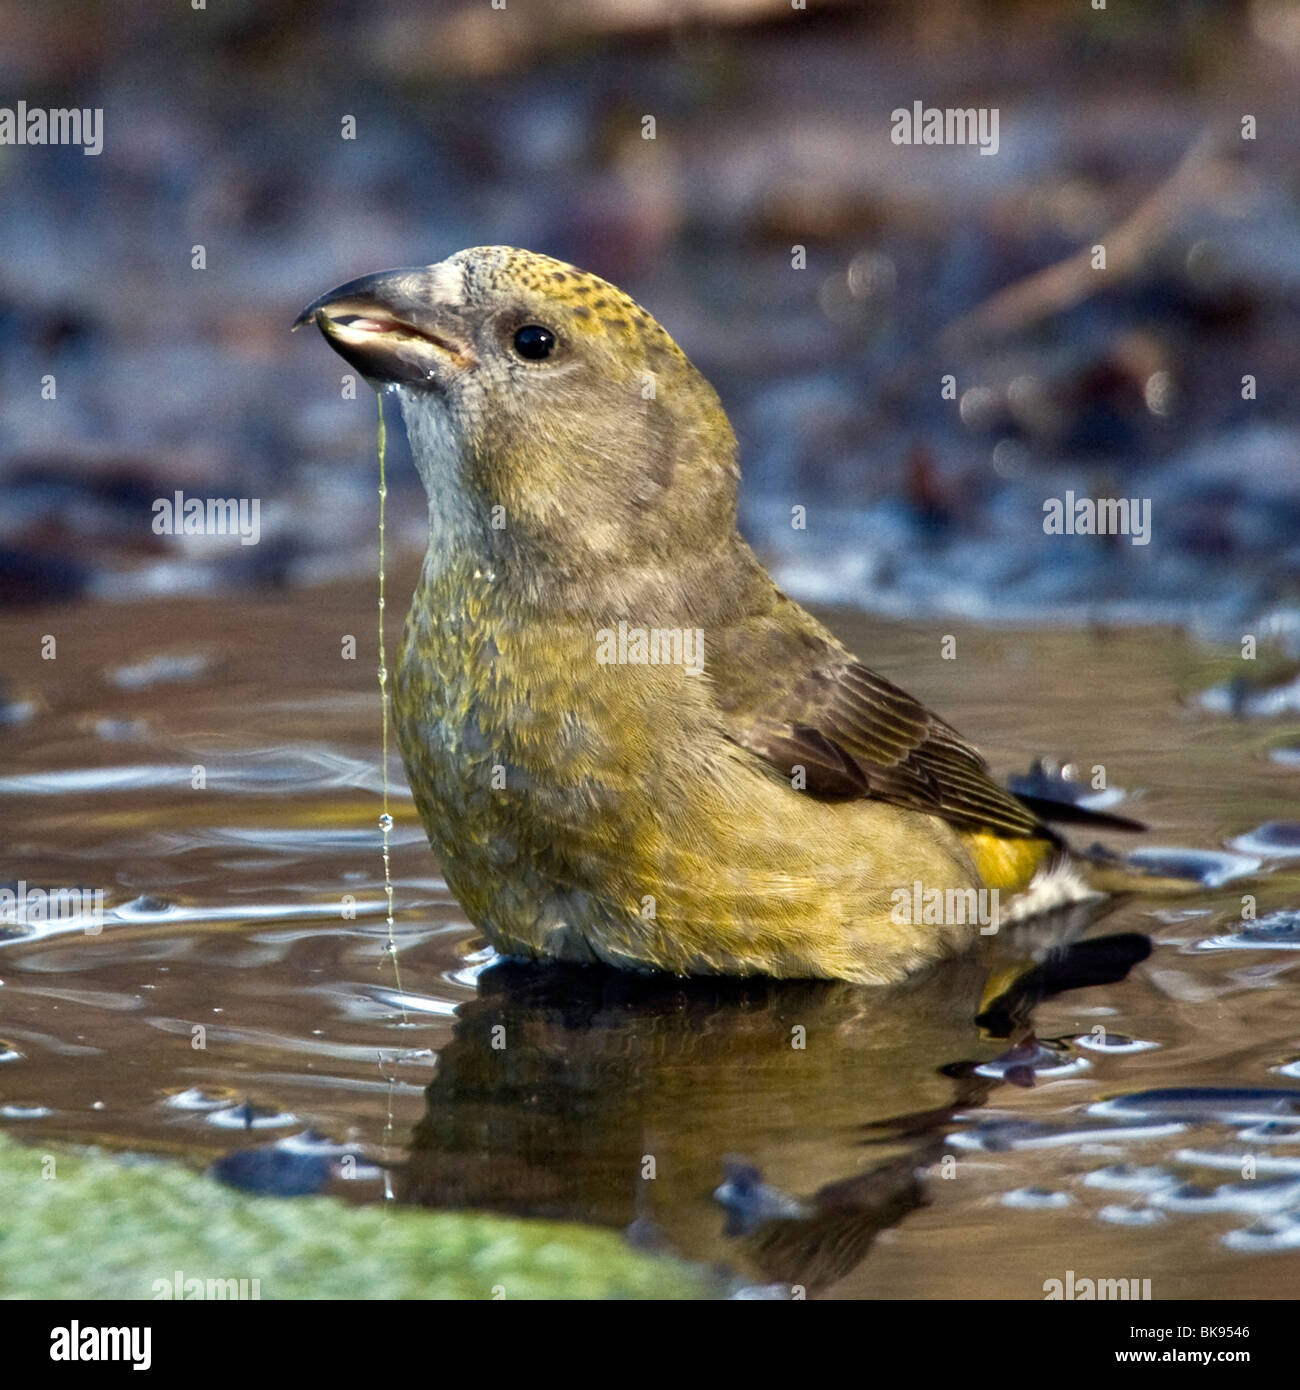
[[581, 1094]]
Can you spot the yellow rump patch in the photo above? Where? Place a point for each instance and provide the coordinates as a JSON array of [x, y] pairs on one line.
[[1005, 863]]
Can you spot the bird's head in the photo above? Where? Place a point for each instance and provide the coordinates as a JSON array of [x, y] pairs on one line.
[[543, 405]]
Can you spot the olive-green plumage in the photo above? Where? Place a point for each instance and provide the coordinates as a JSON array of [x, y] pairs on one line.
[[751, 812]]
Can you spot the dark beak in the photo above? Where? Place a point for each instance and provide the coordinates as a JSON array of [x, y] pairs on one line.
[[395, 327]]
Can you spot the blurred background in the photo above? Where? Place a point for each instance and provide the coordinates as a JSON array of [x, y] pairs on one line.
[[224, 128], [204, 753]]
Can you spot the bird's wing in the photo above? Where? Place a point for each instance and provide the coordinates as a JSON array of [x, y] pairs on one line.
[[789, 694]]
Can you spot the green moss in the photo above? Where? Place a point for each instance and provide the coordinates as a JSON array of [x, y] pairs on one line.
[[101, 1228]]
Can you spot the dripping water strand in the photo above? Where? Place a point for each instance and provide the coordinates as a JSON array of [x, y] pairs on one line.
[[386, 819]]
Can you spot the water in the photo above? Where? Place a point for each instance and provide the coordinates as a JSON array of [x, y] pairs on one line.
[[225, 797]]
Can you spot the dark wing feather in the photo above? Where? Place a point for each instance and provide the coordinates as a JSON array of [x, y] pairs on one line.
[[856, 734]]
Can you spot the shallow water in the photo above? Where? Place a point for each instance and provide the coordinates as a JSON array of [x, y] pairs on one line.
[[1100, 1129]]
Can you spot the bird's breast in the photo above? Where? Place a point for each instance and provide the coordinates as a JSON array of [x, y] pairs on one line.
[[528, 757]]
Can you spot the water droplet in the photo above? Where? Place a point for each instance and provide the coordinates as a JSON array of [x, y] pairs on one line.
[[1275, 838], [1234, 1105], [1271, 1132], [1126, 1177], [1036, 1199], [1278, 931], [1209, 868], [1113, 1042], [1130, 1216], [249, 1116], [1272, 1233], [146, 905], [19, 1111], [202, 1098]]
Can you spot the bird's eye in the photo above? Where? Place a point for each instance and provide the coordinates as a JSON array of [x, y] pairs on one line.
[[533, 342]]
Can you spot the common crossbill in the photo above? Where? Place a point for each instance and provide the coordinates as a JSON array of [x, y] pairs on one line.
[[625, 743]]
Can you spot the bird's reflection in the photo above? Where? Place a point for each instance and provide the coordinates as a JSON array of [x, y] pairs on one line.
[[581, 1094]]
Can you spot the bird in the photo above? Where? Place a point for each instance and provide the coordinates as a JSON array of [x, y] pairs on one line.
[[625, 743]]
